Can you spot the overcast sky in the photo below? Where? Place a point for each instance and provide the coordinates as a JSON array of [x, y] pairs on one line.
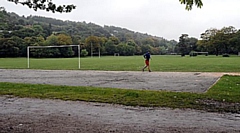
[[163, 18]]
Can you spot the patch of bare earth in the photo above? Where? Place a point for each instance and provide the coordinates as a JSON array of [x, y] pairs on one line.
[[216, 106]]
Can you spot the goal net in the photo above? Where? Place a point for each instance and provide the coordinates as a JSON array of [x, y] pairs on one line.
[[29, 47], [116, 54]]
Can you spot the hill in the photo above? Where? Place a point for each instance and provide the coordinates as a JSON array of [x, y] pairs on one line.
[[13, 25]]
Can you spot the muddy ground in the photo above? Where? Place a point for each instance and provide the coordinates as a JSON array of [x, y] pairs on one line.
[[27, 115]]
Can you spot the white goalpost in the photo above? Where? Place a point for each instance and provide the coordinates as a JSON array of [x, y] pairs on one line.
[[28, 48]]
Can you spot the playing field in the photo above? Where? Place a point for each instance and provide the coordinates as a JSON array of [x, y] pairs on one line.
[[170, 63]]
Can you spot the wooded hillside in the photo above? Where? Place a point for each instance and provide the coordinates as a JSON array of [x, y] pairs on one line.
[[18, 32]]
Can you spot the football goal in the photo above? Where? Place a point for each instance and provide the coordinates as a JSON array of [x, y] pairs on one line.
[[116, 54], [29, 47]]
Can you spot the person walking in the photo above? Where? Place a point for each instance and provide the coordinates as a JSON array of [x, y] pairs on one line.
[[147, 57]]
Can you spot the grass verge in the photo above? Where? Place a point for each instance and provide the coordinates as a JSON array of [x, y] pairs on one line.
[[222, 97]]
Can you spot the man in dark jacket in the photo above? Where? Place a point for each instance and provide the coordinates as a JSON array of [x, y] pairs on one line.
[[147, 57]]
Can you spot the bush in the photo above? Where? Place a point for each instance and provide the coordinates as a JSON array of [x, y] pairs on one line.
[[84, 53]]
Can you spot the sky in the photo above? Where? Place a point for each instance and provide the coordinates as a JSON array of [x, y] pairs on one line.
[[162, 18]]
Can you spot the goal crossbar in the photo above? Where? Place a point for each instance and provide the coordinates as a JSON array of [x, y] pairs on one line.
[[61, 46]]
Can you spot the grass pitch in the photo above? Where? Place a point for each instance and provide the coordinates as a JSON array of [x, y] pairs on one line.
[[130, 63]]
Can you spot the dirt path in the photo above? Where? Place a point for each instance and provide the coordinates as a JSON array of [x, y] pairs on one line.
[[39, 116], [35, 115]]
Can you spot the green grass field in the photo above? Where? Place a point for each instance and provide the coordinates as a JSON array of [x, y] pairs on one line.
[[169, 63]]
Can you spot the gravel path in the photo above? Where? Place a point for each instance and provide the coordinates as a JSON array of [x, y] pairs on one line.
[[25, 115], [170, 81]]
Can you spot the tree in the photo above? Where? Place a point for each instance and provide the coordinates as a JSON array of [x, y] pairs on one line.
[[207, 43], [192, 44], [38, 30], [160, 50], [138, 50], [219, 41], [115, 40], [125, 49], [146, 48], [190, 3], [93, 44], [51, 41], [46, 5], [224, 36], [235, 41], [182, 45], [131, 43], [3, 19], [20, 44], [103, 41], [149, 41], [110, 47], [8, 48], [63, 39]]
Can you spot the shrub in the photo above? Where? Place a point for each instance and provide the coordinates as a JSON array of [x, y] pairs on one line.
[[84, 53]]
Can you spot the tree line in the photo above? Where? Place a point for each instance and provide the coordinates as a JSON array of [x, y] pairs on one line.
[[19, 32], [214, 41]]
